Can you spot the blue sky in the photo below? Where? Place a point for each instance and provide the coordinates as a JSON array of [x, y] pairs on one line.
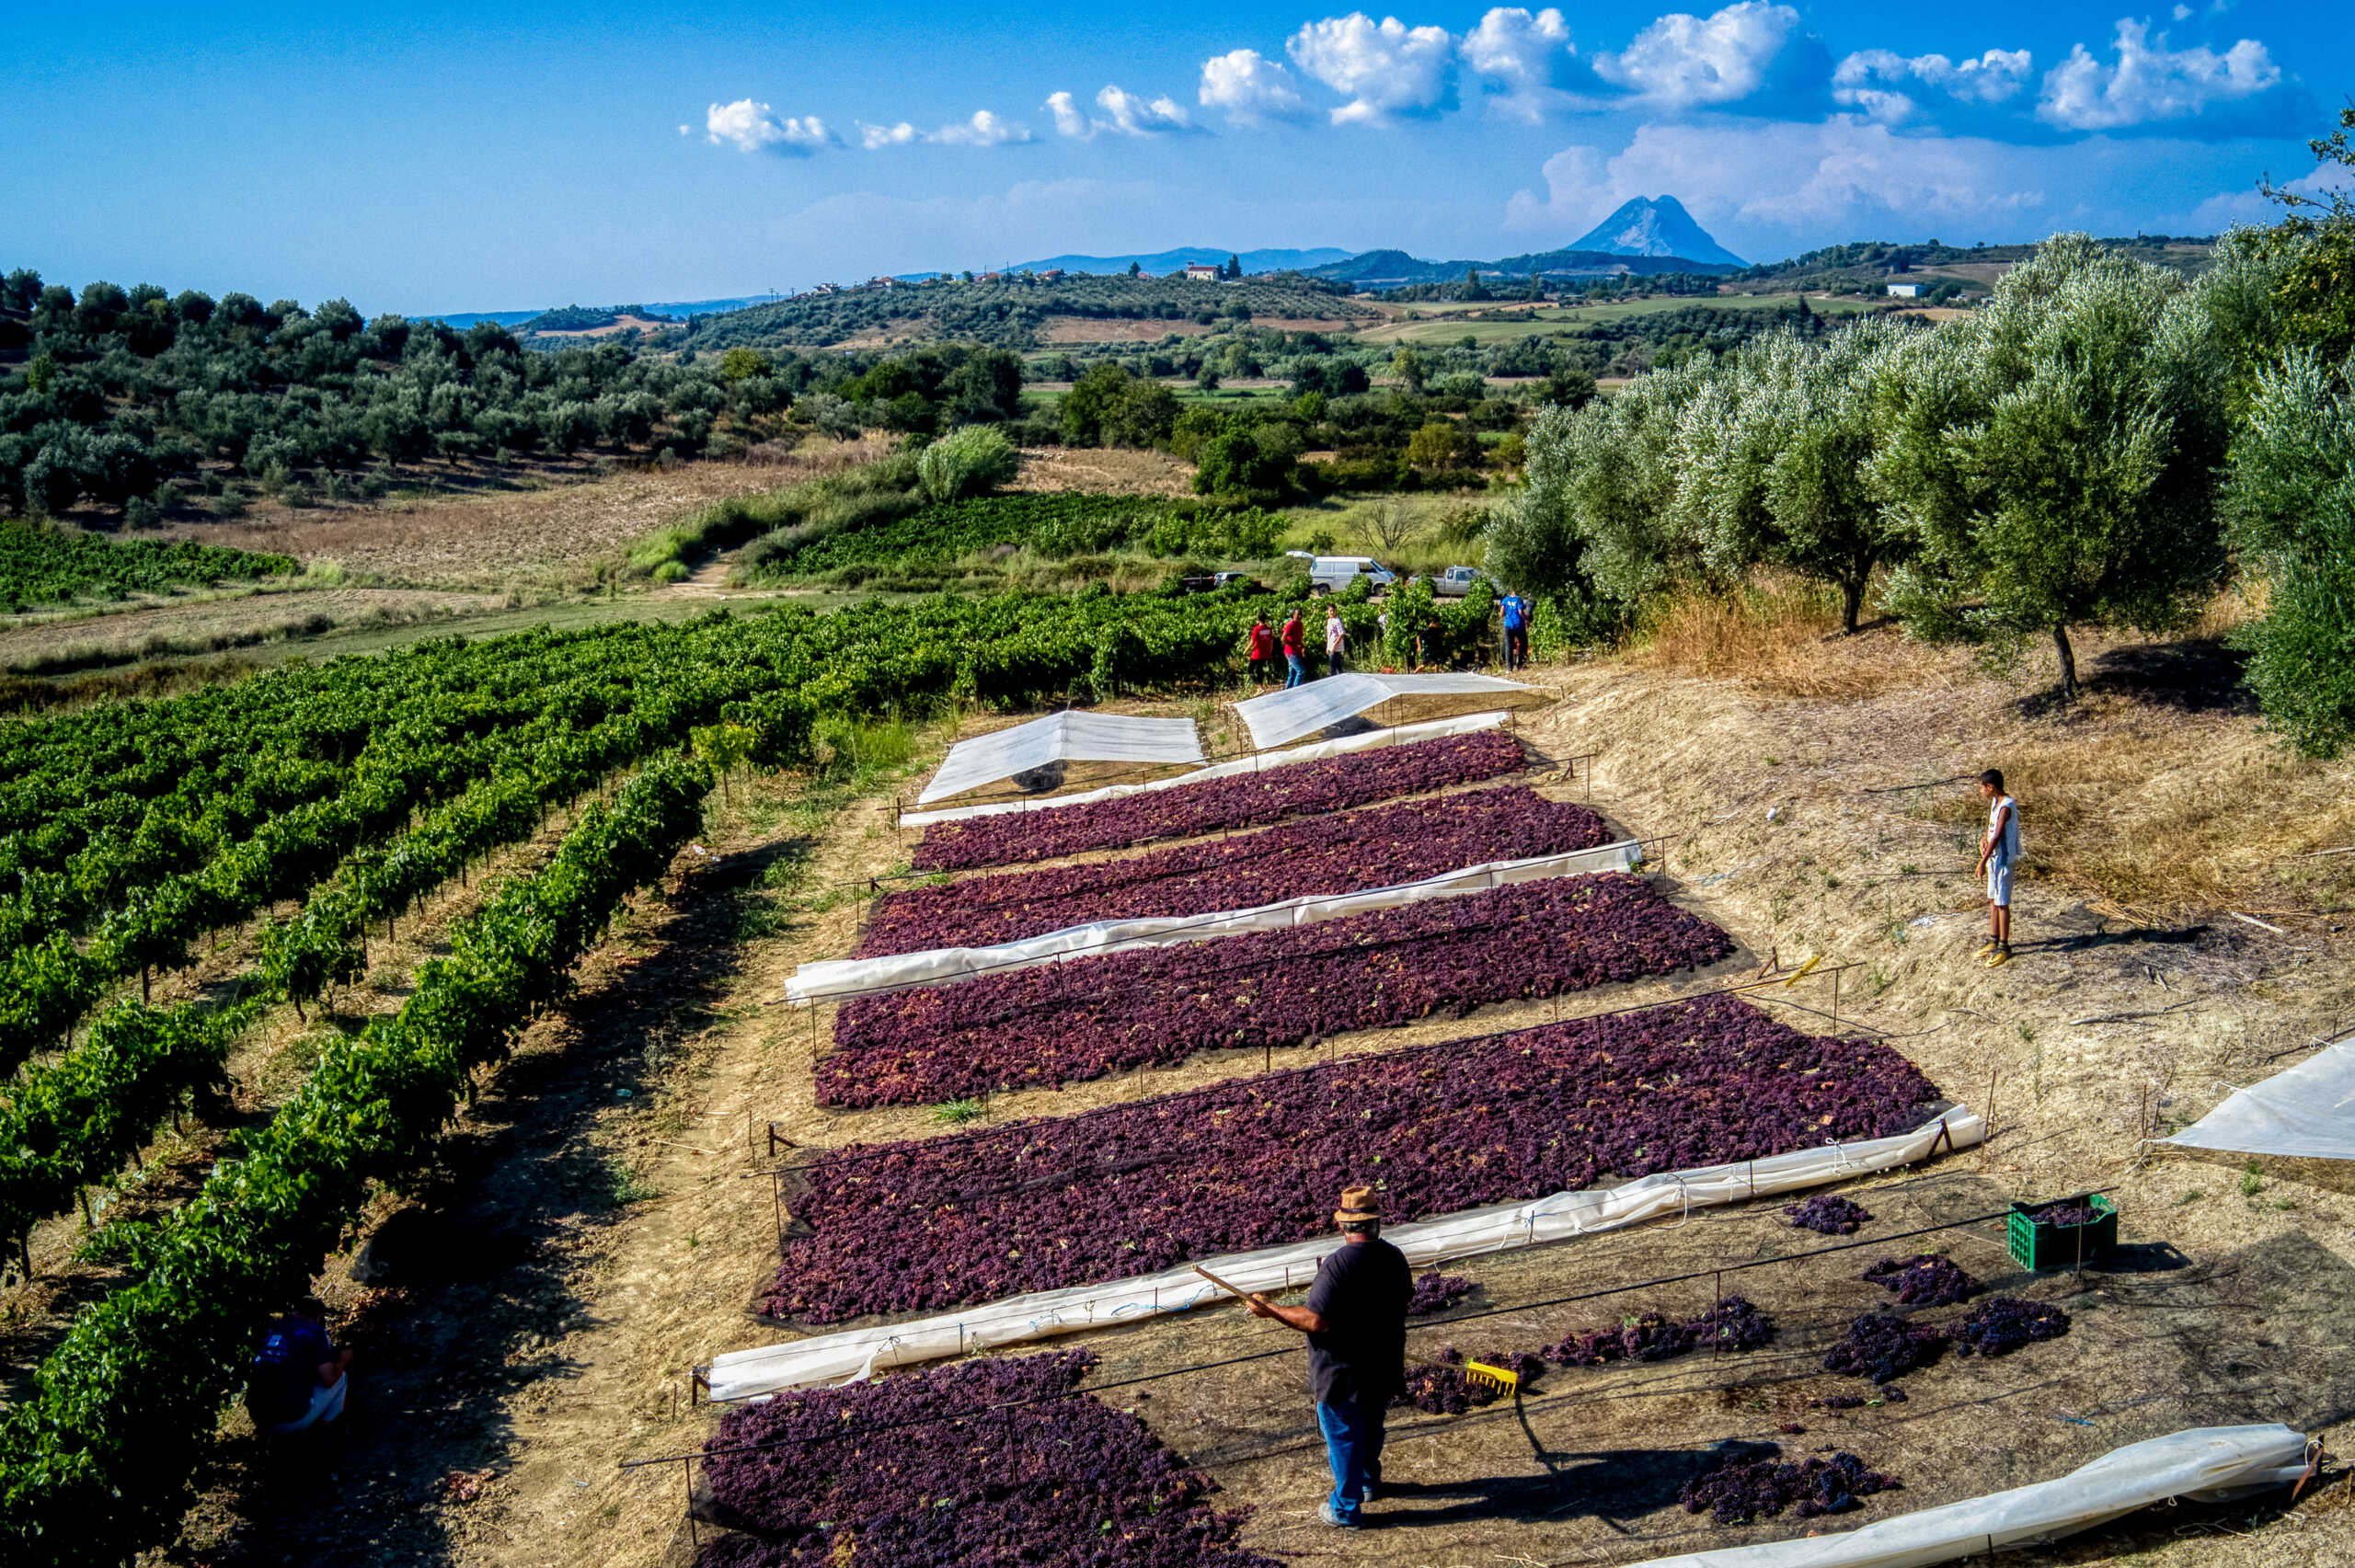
[[426, 157]]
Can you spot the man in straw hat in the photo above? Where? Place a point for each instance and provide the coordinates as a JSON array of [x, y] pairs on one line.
[[1355, 1319]]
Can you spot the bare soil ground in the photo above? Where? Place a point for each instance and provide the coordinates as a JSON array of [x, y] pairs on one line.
[[606, 1219], [529, 540], [215, 624], [1110, 470]]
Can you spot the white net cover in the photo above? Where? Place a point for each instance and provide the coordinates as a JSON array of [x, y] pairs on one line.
[[1048, 753], [2209, 1463], [834, 979], [851, 1355], [1259, 762], [2307, 1111], [1280, 718]]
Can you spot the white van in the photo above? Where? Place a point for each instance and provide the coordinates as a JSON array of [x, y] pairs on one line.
[[1334, 573]]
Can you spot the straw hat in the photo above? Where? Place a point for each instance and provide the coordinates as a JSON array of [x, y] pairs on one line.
[[1358, 1203]]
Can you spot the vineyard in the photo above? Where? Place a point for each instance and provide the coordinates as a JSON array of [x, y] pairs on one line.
[[50, 566], [1056, 525], [278, 836]]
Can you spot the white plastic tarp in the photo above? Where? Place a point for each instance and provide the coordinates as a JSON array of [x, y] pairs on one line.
[[837, 978], [856, 1354], [1119, 742], [1283, 716], [1405, 734], [2209, 1463], [2308, 1111]]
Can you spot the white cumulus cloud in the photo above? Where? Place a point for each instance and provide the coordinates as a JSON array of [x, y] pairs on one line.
[[1878, 80], [1122, 114], [984, 129], [1683, 61], [1246, 86], [1842, 175], [1519, 53], [752, 127], [1384, 68], [2150, 83]]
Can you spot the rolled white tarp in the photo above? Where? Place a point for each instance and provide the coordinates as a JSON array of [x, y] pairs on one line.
[[1284, 717], [856, 1354], [2306, 1112], [837, 978], [1405, 734], [1045, 748], [2206, 1464]]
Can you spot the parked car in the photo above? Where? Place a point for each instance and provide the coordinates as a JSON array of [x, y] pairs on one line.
[[1456, 582], [1334, 573]]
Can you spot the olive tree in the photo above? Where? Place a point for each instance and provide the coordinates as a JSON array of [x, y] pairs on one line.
[[2054, 456], [2290, 510], [1776, 457], [1598, 520]]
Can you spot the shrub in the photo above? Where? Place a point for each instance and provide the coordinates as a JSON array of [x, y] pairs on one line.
[[965, 462]]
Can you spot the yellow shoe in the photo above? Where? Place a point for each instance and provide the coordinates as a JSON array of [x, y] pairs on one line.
[[1987, 949], [1998, 959]]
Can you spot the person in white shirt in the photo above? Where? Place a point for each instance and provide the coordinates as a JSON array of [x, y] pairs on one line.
[[1337, 641], [1999, 851]]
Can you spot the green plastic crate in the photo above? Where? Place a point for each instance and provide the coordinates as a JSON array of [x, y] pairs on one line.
[[2037, 1246]]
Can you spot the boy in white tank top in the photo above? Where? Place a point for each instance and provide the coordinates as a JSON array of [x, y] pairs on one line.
[[1999, 851]]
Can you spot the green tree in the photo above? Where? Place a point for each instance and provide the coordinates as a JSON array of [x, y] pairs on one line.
[[1109, 407], [1782, 477], [1408, 367], [2290, 507], [1597, 526], [742, 364], [965, 462], [2054, 456]]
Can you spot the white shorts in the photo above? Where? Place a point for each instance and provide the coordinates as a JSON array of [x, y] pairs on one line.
[[1999, 882], [326, 1405]]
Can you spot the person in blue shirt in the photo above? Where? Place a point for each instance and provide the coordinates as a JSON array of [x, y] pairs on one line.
[[1516, 614], [299, 1380]]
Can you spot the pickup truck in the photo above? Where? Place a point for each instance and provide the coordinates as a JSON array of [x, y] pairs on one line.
[[1456, 582]]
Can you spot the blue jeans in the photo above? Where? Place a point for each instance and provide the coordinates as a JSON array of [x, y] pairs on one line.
[[1353, 1442], [1293, 671]]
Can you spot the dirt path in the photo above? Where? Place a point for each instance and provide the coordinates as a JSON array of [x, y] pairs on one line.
[[607, 1199]]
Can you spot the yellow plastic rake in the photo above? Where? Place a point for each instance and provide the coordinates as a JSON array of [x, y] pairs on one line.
[[1502, 1379]]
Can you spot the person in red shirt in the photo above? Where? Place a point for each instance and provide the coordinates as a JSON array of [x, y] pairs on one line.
[[1263, 643], [1294, 641]]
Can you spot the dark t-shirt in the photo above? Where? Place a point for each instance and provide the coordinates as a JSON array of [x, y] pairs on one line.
[[1361, 1290], [286, 1370]]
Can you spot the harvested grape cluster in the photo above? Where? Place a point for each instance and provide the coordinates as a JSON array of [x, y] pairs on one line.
[[1090, 1017], [2001, 1324], [918, 1468], [1346, 852], [1438, 1292], [2066, 1215], [1247, 800], [939, 1222], [1926, 1279], [1736, 1493], [1733, 1324], [1827, 1215], [1448, 1388], [1885, 1348]]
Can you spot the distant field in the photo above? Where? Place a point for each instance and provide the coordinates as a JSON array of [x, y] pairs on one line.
[[1445, 322]]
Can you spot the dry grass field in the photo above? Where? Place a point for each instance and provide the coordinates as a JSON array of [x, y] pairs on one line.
[[607, 1197]]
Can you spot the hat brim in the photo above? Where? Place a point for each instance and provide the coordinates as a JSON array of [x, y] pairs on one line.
[[1347, 1216]]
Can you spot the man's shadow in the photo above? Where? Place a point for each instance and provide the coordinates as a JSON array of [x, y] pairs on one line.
[[1611, 1484]]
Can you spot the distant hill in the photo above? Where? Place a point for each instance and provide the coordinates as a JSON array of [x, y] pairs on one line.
[[1655, 225], [1162, 262], [678, 310]]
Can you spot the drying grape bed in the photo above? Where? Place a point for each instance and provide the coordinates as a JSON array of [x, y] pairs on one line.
[[1344, 853], [1083, 1019], [1292, 789], [918, 1468], [1039, 1204]]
